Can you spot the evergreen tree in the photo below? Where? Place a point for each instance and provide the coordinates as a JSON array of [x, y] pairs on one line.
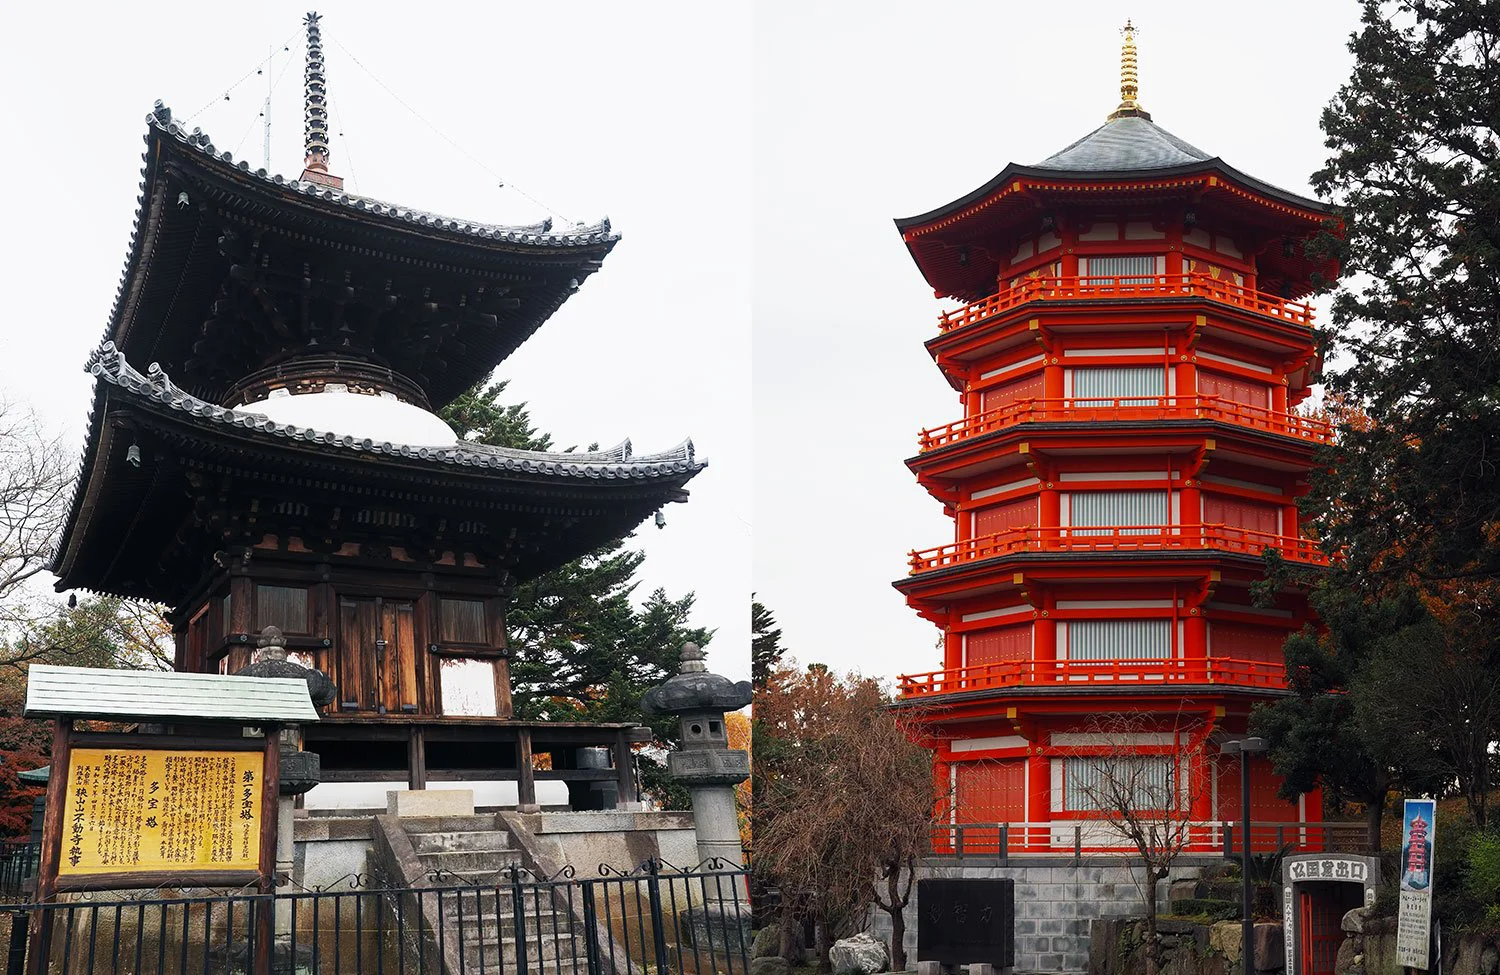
[[580, 651], [765, 642], [1395, 693], [1415, 172]]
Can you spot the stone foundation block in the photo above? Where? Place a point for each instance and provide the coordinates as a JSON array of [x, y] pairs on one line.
[[430, 802]]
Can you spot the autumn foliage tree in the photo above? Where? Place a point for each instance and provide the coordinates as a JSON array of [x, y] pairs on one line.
[[844, 802], [1143, 801]]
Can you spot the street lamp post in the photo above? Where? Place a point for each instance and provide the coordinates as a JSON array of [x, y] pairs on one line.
[[1245, 748]]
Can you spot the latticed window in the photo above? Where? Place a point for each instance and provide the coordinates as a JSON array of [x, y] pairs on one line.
[[1117, 509], [1128, 269], [1134, 385], [1119, 639], [1111, 783]]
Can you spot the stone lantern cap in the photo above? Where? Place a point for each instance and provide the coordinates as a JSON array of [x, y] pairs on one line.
[[271, 661], [694, 689]]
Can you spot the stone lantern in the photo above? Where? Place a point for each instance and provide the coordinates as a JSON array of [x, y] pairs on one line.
[[705, 763], [299, 770]]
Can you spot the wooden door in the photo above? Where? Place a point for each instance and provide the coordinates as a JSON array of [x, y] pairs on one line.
[[376, 656], [1239, 513], [990, 793], [397, 665], [1234, 389], [997, 518]]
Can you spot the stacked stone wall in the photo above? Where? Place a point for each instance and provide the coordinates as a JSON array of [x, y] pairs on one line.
[[1055, 904]]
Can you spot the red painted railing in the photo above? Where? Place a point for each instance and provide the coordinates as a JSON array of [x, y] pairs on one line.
[[1130, 538], [1109, 287], [1097, 410], [1154, 670], [1084, 837]]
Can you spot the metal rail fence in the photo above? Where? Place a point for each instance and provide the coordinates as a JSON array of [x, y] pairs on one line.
[[653, 920]]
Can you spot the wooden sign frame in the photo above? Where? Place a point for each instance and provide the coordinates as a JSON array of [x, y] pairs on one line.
[[48, 885]]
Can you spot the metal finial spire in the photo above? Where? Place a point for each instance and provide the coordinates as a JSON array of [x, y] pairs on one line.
[[315, 111], [1129, 83]]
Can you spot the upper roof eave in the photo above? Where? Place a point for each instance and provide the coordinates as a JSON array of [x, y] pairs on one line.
[[1212, 166], [540, 235]]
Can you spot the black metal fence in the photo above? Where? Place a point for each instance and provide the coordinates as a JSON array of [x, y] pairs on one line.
[[18, 863], [654, 920]]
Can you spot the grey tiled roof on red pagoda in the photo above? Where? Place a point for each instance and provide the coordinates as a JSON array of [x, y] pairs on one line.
[[228, 249], [1124, 144]]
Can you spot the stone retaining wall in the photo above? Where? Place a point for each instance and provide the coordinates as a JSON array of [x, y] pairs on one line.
[[1055, 903]]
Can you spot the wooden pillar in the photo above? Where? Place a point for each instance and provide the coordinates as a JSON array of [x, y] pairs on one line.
[[270, 780], [52, 827], [1190, 506], [1044, 643], [416, 758], [1038, 803], [504, 704], [1049, 513], [624, 769], [1053, 385], [1069, 235], [1195, 644], [526, 775], [1278, 395]]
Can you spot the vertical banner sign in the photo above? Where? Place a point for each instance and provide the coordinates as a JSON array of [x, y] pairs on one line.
[[1414, 920]]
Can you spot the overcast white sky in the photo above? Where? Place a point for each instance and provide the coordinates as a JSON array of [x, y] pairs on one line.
[[882, 109], [638, 113]]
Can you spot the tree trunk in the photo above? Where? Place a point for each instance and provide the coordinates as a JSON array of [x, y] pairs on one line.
[[1153, 946], [898, 920], [1373, 812]]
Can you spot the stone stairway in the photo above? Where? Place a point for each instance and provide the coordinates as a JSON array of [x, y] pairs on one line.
[[462, 849], [473, 855]]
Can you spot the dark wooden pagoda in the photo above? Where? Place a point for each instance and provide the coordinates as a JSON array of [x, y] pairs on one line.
[[385, 563]]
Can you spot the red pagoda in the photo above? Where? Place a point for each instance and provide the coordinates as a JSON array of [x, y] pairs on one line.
[[1127, 361]]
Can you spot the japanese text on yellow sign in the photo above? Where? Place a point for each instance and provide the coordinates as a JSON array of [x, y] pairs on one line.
[[143, 810]]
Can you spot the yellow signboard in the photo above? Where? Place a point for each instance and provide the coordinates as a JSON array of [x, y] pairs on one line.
[[147, 810]]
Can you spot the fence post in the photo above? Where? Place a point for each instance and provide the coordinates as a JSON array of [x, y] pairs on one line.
[[518, 907], [16, 961], [1004, 843], [1228, 840], [1077, 845], [958, 842], [658, 939], [591, 929]]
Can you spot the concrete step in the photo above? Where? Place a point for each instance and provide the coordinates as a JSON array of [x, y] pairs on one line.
[[489, 924], [471, 862], [549, 953], [460, 841], [451, 824]]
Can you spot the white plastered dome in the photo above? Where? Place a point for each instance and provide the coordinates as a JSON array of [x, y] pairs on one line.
[[379, 417]]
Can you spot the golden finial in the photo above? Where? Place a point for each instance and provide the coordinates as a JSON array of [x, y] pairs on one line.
[[1129, 83]]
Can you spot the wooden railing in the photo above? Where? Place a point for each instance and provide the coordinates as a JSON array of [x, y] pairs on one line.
[[1110, 287], [1152, 670], [1127, 538], [1078, 838], [1097, 410]]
